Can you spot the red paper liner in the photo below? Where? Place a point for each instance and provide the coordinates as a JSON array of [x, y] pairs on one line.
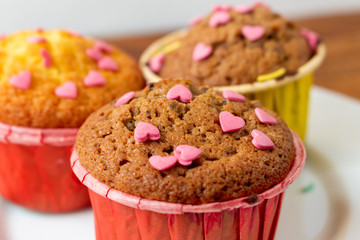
[[35, 171], [123, 216]]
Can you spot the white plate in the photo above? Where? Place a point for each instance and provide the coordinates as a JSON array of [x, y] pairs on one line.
[[331, 210]]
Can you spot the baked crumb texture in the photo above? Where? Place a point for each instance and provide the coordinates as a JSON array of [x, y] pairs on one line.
[[238, 46], [56, 78], [229, 167]]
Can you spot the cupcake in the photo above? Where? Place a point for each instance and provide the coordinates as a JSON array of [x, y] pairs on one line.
[[250, 50], [50, 82], [175, 158]]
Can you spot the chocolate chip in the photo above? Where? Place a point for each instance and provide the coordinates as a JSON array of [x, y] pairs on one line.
[[151, 86], [123, 162], [252, 199], [173, 105]]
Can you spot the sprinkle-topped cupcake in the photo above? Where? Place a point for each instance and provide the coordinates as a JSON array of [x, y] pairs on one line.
[[175, 142], [236, 45], [56, 78], [50, 82], [248, 49]]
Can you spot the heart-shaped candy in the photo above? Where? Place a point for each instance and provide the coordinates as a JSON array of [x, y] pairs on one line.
[[196, 20], [243, 9], [94, 78], [201, 51], [218, 18], [94, 53], [125, 98], [22, 80], [224, 7], [230, 123], [2, 36], [39, 30], [233, 96], [264, 117], [107, 63], [179, 92], [67, 90], [253, 33], [261, 141], [146, 131], [102, 46], [311, 37], [260, 4], [36, 39], [46, 57], [162, 163], [186, 154], [156, 62]]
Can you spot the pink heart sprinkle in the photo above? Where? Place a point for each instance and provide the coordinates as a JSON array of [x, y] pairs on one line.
[[146, 131], [156, 62], [311, 37], [39, 30], [22, 80], [253, 33], [217, 8], [93, 53], [107, 63], [218, 18], [260, 4], [233, 96], [2, 36], [243, 9], [195, 20], [67, 90], [230, 123], [103, 46], [264, 117], [179, 92], [93, 79], [36, 39], [162, 163], [201, 51], [186, 154], [125, 98], [261, 141], [47, 61]]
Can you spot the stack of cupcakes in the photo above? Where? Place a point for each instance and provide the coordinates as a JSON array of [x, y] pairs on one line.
[[50, 81], [247, 49]]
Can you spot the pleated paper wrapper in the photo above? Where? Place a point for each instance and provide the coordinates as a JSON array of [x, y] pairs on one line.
[[123, 216], [35, 171], [289, 97]]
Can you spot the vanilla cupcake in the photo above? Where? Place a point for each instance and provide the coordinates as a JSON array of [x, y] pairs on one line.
[[50, 81]]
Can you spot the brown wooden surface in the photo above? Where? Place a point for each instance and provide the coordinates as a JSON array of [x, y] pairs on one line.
[[341, 33]]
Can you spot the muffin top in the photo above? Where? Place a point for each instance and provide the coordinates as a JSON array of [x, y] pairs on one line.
[[55, 79], [178, 143], [236, 45]]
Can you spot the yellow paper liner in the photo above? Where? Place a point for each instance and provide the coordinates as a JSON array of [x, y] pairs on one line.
[[288, 97]]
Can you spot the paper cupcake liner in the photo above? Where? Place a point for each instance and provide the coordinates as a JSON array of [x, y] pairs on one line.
[[123, 216], [288, 97], [35, 171]]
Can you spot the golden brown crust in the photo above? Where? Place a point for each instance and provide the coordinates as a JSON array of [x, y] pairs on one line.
[[39, 106], [230, 166], [234, 59]]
